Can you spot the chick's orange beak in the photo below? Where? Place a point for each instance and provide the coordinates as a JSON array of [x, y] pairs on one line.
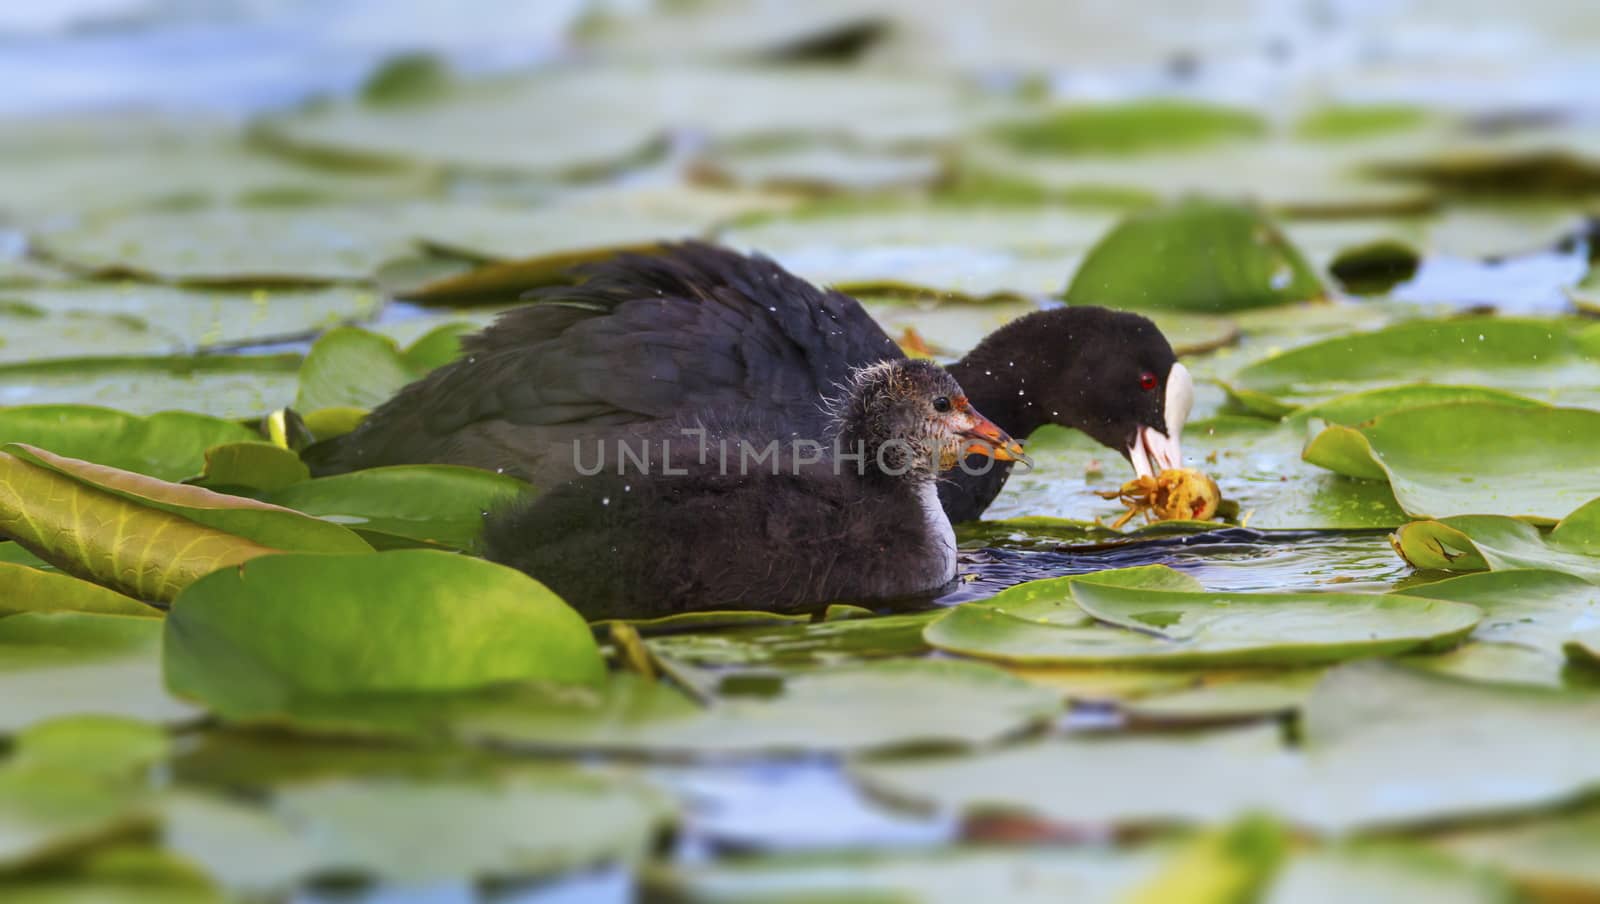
[[986, 438]]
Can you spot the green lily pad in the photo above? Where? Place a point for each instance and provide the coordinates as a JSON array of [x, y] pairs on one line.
[[1383, 746], [853, 708], [129, 318], [805, 644], [1384, 873], [1258, 693], [1501, 663], [1550, 858], [108, 747], [169, 445], [1490, 542], [436, 505], [414, 832], [1360, 407], [48, 812], [1541, 610], [353, 368], [233, 386], [59, 664], [1347, 123], [1213, 256], [1255, 462], [1292, 178], [1129, 128], [818, 169], [1187, 628], [613, 114], [928, 248], [1547, 360], [253, 639], [250, 467], [1472, 458], [948, 876], [240, 245]]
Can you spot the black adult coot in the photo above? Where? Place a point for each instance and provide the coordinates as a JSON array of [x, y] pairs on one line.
[[650, 338], [726, 524]]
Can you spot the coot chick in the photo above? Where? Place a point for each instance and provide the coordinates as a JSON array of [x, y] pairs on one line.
[[721, 524], [649, 338]]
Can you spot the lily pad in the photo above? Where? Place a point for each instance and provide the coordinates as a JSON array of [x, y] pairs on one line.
[[25, 589], [1255, 462], [818, 169], [1187, 628], [352, 368], [1472, 458], [1541, 610], [1350, 123], [1551, 858], [58, 664], [169, 445], [232, 386], [1214, 257], [436, 505], [952, 876], [1129, 128], [872, 706], [613, 114], [140, 535], [285, 245], [415, 831], [1359, 407], [1547, 360], [1490, 542], [253, 639], [250, 467], [128, 318], [1383, 746], [48, 812], [825, 642], [1384, 873]]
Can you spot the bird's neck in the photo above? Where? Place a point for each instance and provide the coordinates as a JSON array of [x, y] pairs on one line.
[[995, 386]]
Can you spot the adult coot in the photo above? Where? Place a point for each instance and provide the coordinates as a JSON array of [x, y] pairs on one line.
[[650, 338]]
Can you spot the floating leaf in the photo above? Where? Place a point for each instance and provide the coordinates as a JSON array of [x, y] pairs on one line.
[[433, 504], [1541, 610], [1382, 746], [56, 664], [1358, 122], [828, 642], [1472, 458], [1551, 858], [1490, 542], [351, 368], [895, 703], [110, 747], [170, 445], [1547, 360], [140, 535], [417, 831], [132, 318], [1383, 873], [1186, 628], [48, 812], [252, 467], [26, 589], [233, 386], [253, 639], [943, 876], [1129, 128], [1214, 256]]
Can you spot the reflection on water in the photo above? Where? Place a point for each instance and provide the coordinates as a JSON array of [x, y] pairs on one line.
[[1231, 560]]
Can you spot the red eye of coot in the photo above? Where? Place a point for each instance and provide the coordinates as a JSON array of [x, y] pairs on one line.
[[1148, 381]]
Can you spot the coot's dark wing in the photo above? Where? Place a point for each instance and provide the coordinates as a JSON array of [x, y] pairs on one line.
[[642, 338]]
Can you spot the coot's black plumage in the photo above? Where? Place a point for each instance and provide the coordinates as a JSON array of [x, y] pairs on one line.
[[646, 339], [709, 529]]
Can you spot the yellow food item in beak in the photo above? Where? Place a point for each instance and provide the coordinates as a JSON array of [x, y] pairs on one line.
[[1176, 494]]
